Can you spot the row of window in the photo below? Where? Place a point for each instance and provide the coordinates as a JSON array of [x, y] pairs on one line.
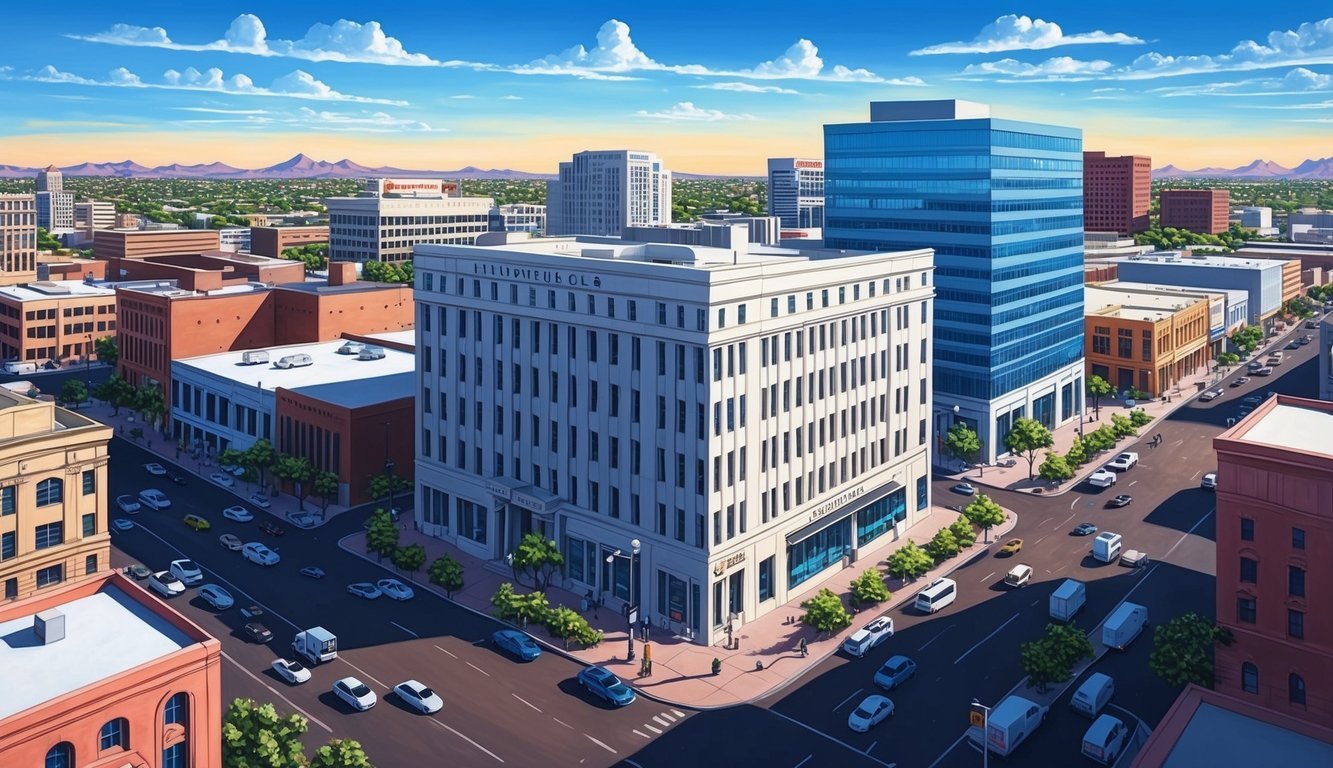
[[1249, 682], [114, 735], [878, 135]]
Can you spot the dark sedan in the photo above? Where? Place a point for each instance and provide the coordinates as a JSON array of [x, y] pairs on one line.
[[177, 479], [272, 529], [1122, 500], [257, 633]]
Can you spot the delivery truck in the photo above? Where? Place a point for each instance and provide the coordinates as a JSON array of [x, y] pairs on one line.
[[1125, 624], [316, 645], [1008, 724], [1068, 599]]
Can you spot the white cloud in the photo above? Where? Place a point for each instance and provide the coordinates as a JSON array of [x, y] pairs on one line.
[[1056, 68], [373, 122], [1022, 33], [463, 96], [1298, 80], [511, 98], [221, 111], [686, 110], [800, 61], [297, 84], [746, 88]]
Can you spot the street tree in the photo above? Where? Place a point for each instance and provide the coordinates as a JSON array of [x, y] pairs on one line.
[[296, 470], [230, 457], [1183, 650], [326, 486], [1026, 437], [149, 403], [1077, 455], [1098, 388], [380, 485], [962, 443], [446, 573], [256, 735], [537, 557], [963, 532], [259, 457], [942, 545], [869, 587], [1055, 468], [1051, 657], [531, 608], [1100, 439], [825, 612], [1228, 359], [340, 753], [382, 536], [115, 391], [107, 350], [984, 513], [73, 392], [908, 562], [1139, 418], [503, 601], [1121, 426], [1247, 338], [409, 558]]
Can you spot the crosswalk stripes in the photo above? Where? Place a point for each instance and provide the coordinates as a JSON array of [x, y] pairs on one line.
[[663, 720]]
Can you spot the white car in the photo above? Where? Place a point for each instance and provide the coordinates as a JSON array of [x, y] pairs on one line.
[[259, 554], [217, 597], [223, 479], [364, 590], [154, 499], [395, 589], [155, 469], [165, 584], [303, 520], [1102, 478], [238, 514], [868, 637], [128, 504], [232, 469], [259, 501], [290, 670], [870, 713], [1211, 394], [187, 571], [356, 693], [1123, 462], [230, 542], [1209, 482], [419, 697]]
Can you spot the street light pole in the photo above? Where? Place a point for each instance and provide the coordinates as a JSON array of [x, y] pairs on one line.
[[985, 731], [631, 608], [388, 469]]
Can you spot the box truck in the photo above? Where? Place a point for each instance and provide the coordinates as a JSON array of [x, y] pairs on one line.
[[1106, 547], [1124, 625], [1009, 723], [1068, 599], [316, 645]]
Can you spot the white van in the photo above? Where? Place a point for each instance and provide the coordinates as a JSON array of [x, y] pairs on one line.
[[1018, 576], [294, 361], [1105, 740], [940, 594], [1275, 358], [19, 367], [1124, 625], [1095, 692], [1106, 547], [254, 357]]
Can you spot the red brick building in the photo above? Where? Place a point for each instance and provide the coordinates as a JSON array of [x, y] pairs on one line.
[[1274, 519], [97, 672], [140, 243], [1116, 192], [270, 241], [1205, 211]]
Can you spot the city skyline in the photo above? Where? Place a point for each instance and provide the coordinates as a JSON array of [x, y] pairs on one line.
[[714, 93]]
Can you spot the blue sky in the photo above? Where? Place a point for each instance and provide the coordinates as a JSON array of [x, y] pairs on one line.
[[711, 87]]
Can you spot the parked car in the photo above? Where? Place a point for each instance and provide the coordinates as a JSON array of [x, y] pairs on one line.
[[187, 571], [223, 479], [290, 670], [1123, 462], [1264, 371], [1122, 500], [1293, 345], [364, 589], [217, 597], [271, 528], [418, 696], [356, 693], [121, 524], [177, 479], [165, 584], [1211, 394], [1012, 547], [256, 632], [896, 671], [395, 589], [238, 514], [196, 522], [312, 572], [1134, 558], [1240, 382], [259, 501], [232, 469], [870, 636], [1102, 478], [228, 541], [1209, 482], [872, 711], [517, 643], [138, 571], [303, 520], [128, 504], [154, 499], [155, 469], [967, 489], [259, 554], [605, 685], [1084, 529]]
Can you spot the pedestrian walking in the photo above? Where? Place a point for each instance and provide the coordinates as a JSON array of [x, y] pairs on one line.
[[805, 650]]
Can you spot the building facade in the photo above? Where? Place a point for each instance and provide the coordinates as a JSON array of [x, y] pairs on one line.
[[101, 673], [1143, 340], [1269, 283], [272, 241], [18, 239], [234, 239], [1001, 203], [1206, 211], [1116, 194], [141, 243], [758, 420], [61, 320], [391, 216], [55, 211], [1274, 518], [602, 192], [519, 217], [94, 214], [53, 495], [50, 179], [796, 191]]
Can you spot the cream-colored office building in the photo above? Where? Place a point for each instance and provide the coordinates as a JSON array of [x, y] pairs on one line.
[[391, 216]]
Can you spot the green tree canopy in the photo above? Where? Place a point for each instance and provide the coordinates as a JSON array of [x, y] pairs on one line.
[[1121, 426], [537, 557], [379, 485], [1055, 468], [107, 350], [409, 558], [259, 457], [1247, 338], [73, 392], [825, 612], [255, 736], [340, 753], [984, 512], [1077, 455], [387, 271], [326, 486], [869, 587], [909, 561], [1098, 388], [942, 546], [1183, 650], [446, 573], [382, 536], [963, 532], [1051, 658], [1026, 437], [962, 443]]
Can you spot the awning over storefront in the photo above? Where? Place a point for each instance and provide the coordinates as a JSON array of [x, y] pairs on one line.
[[839, 508]]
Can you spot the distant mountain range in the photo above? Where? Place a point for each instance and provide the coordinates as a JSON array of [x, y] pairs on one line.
[[299, 167], [1259, 169]]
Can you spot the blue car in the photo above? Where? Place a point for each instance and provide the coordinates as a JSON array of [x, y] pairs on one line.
[[605, 685], [516, 643], [894, 672]]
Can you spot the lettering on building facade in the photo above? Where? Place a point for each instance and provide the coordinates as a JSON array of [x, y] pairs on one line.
[[532, 275], [722, 566], [836, 502]]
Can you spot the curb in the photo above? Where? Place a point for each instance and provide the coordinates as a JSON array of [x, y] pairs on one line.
[[434, 590]]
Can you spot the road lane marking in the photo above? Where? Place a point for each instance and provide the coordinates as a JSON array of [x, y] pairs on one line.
[[660, 721], [525, 701], [460, 735], [677, 713], [657, 731], [277, 693], [438, 648], [872, 746], [1038, 541], [479, 669], [1075, 501], [602, 745], [983, 640], [807, 759], [849, 698], [1178, 442], [628, 761], [562, 722], [833, 739], [405, 629], [1044, 522], [344, 660], [951, 748], [985, 578], [936, 637], [1065, 521], [641, 733], [669, 717], [1132, 482], [1196, 474], [1034, 602], [1186, 534]]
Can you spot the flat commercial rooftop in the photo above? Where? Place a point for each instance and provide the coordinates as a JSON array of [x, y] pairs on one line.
[[342, 379], [401, 337], [46, 290], [1218, 736], [1297, 427], [615, 249], [106, 633]]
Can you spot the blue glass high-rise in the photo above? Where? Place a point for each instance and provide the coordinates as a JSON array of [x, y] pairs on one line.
[[1001, 202]]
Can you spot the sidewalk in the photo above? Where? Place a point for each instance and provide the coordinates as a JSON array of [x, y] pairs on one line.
[[681, 669]]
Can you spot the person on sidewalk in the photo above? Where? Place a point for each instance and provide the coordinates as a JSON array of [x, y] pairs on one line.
[[805, 649]]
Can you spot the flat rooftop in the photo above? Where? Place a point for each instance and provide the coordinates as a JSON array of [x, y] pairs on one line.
[[1292, 423], [401, 337], [1225, 262], [341, 379], [1233, 295], [45, 290], [1219, 736], [1135, 305], [172, 289], [106, 633]]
